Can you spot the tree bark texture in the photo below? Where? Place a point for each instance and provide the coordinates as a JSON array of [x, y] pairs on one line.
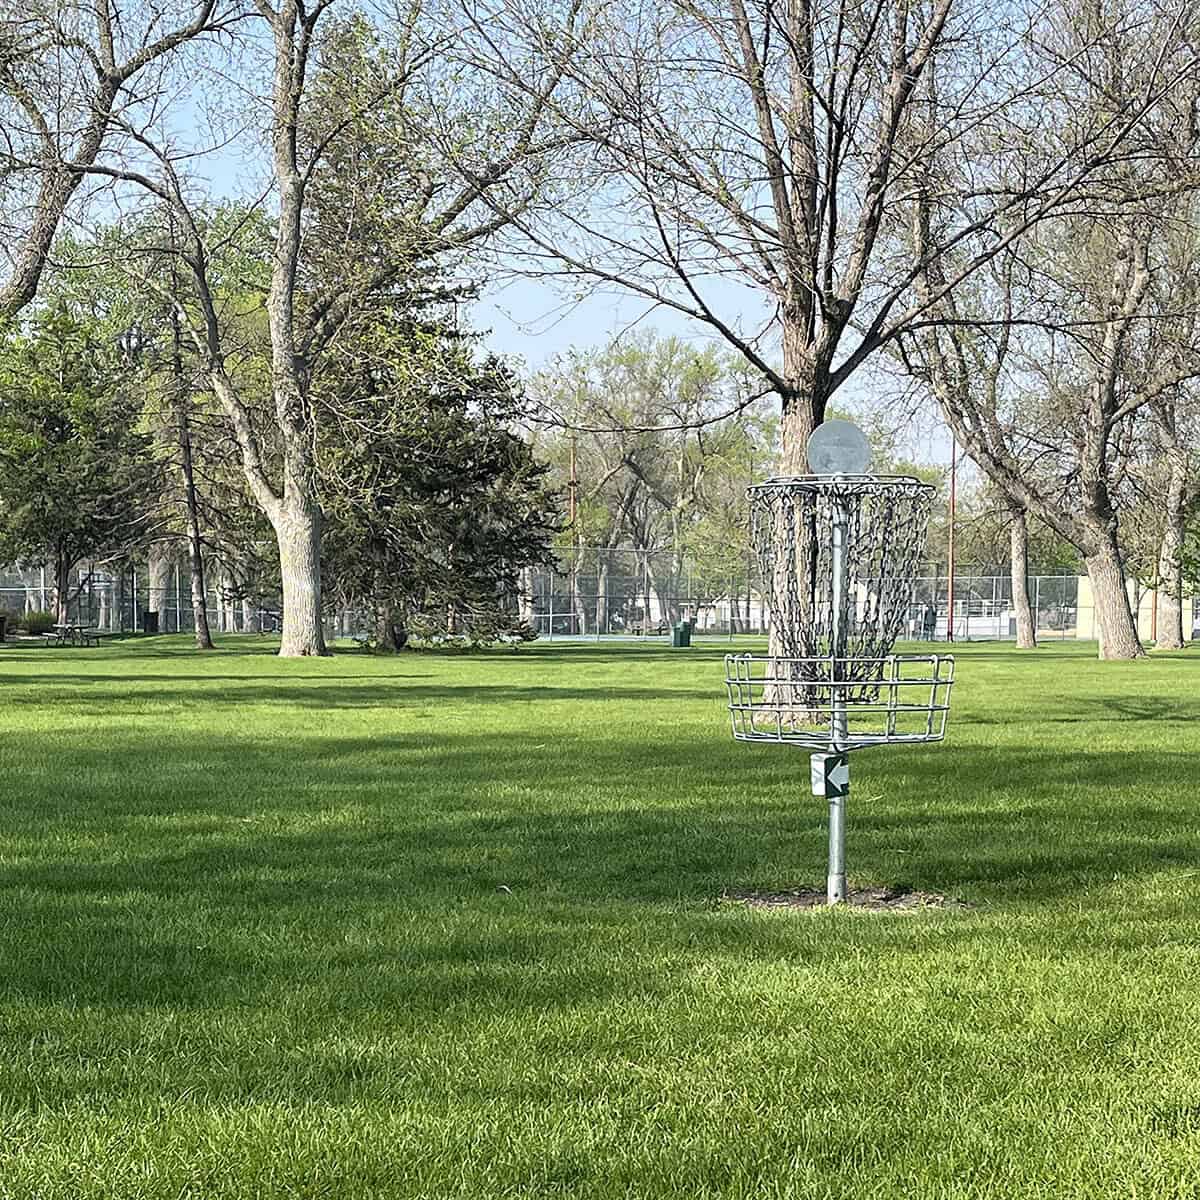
[[803, 404], [62, 587], [1019, 562], [391, 635], [1170, 553], [160, 562], [297, 524], [803, 409], [1118, 632], [1170, 580]]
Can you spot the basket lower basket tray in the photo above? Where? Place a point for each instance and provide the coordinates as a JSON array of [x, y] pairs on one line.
[[839, 703]]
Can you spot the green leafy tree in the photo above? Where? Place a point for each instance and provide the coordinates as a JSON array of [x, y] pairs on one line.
[[77, 475], [433, 504], [344, 95]]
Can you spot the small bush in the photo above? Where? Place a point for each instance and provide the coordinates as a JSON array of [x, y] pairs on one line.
[[38, 622]]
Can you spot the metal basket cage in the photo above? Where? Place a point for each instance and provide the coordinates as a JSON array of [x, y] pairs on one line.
[[837, 556], [840, 704]]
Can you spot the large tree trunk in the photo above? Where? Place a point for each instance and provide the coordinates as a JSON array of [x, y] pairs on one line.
[[297, 522], [1118, 633], [183, 431], [803, 411], [1019, 561], [602, 592], [62, 587], [1170, 569], [391, 634], [160, 561]]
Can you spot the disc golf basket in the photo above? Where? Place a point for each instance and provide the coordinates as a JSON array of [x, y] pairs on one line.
[[837, 554]]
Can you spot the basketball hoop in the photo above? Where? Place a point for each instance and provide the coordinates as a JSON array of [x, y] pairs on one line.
[[837, 554]]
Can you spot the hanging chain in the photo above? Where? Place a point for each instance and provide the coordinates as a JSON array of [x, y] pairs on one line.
[[791, 531]]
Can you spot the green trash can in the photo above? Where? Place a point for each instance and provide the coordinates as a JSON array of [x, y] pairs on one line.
[[681, 635]]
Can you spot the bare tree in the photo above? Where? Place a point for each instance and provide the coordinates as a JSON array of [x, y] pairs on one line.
[[758, 154], [1174, 429], [1042, 366], [67, 70], [1050, 419]]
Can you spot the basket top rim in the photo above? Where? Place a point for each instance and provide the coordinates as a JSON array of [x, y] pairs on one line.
[[840, 483], [841, 658]]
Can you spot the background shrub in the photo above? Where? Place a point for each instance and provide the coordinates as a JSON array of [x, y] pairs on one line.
[[38, 622]]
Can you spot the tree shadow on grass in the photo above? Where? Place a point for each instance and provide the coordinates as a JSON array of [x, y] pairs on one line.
[[588, 817], [476, 871], [103, 694]]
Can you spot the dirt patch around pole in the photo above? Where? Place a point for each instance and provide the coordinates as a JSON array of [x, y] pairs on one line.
[[879, 899]]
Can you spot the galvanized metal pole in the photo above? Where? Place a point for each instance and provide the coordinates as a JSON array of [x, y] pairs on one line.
[[835, 883]]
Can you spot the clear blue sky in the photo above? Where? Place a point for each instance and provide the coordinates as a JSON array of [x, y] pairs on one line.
[[530, 319]]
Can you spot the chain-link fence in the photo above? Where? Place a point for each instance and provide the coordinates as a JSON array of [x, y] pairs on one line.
[[603, 592], [983, 607], [600, 592], [590, 593], [118, 602]]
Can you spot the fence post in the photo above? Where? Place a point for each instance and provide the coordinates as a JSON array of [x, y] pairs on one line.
[[608, 568], [646, 585]]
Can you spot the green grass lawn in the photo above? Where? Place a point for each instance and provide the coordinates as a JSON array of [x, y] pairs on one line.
[[448, 925]]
